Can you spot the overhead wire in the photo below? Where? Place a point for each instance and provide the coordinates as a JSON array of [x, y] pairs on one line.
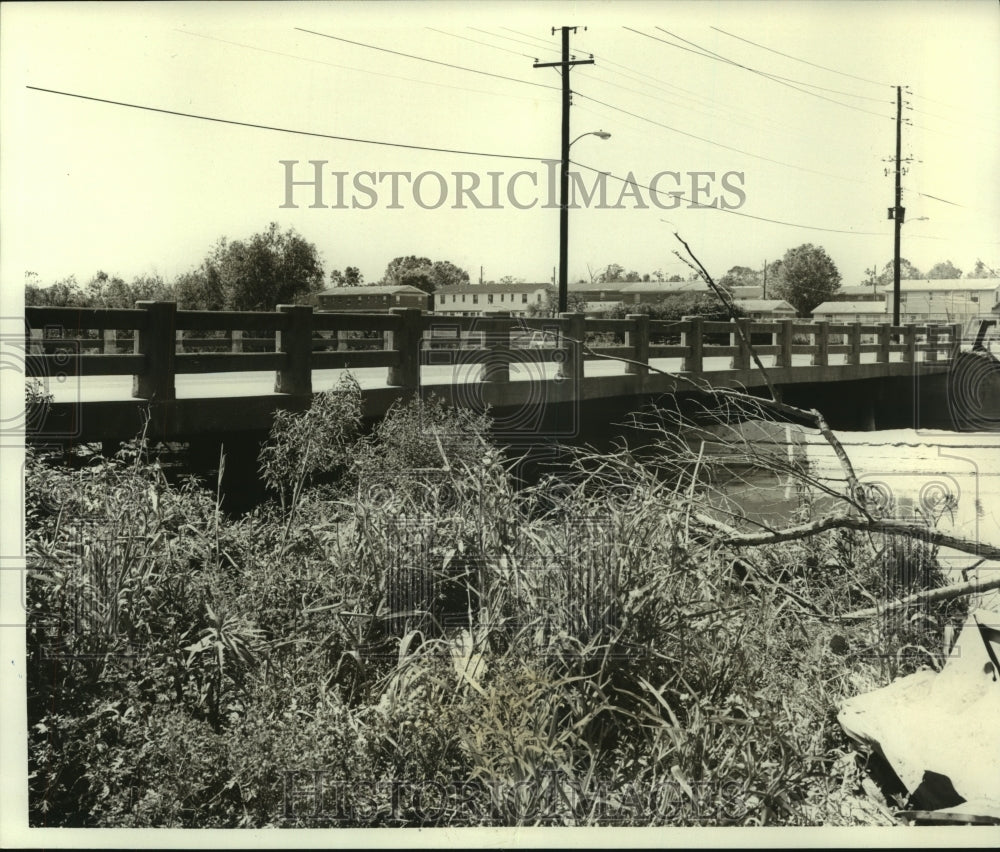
[[427, 59], [351, 67], [516, 40], [483, 43], [708, 54], [296, 132], [274, 128], [797, 59], [714, 142], [682, 197]]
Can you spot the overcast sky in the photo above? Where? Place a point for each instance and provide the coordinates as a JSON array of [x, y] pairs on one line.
[[89, 185]]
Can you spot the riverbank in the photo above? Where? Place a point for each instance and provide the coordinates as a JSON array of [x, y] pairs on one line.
[[584, 650]]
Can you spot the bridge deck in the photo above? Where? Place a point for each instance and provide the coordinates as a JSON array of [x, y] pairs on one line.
[[88, 389], [168, 363]]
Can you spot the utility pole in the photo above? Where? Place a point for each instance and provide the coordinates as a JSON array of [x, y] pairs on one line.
[[763, 294], [564, 65], [897, 213]]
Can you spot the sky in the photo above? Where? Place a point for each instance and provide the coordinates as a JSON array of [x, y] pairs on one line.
[[90, 186]]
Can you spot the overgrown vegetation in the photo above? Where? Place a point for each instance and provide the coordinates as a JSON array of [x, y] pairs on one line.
[[404, 638]]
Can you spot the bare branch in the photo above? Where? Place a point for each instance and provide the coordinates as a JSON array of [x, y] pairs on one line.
[[889, 526], [731, 309], [958, 590]]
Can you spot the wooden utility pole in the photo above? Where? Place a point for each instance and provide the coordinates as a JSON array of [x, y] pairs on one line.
[[564, 65], [897, 213]]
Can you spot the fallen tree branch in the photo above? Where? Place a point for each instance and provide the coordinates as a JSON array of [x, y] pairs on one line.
[[957, 590], [731, 310], [735, 538]]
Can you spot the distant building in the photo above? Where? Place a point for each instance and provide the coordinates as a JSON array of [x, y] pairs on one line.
[[765, 309], [859, 293], [600, 297], [748, 292], [843, 312], [652, 292], [945, 300], [479, 299], [374, 298]]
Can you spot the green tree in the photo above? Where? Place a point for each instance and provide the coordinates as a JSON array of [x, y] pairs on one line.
[[64, 293], [423, 273], [200, 289], [741, 276], [907, 272], [981, 270], [576, 303], [271, 268], [151, 288], [807, 277], [350, 277], [947, 269]]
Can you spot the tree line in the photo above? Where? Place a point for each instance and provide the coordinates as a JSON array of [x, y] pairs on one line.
[[253, 274], [281, 267]]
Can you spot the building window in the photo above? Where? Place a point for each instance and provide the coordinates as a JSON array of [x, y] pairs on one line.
[[489, 298], [538, 298], [475, 298], [524, 298], [974, 299]]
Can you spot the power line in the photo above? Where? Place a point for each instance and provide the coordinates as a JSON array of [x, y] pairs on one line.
[[515, 40], [674, 90], [671, 89], [276, 129], [926, 195], [483, 43], [785, 81], [526, 35], [683, 197], [425, 59], [707, 54], [732, 116], [718, 144], [805, 61], [351, 67]]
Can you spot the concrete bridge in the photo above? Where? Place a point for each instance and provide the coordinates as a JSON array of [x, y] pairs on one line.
[[212, 373]]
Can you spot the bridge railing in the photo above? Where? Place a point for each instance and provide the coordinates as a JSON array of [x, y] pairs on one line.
[[166, 342]]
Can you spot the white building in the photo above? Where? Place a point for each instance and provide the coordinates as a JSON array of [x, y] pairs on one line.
[[765, 309], [945, 300], [474, 300], [841, 312]]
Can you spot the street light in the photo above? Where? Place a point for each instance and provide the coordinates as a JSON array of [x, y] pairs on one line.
[[564, 214]]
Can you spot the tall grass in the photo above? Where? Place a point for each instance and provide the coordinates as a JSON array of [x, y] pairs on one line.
[[431, 644]]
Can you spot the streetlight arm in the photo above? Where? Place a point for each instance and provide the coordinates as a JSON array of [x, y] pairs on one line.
[[600, 134]]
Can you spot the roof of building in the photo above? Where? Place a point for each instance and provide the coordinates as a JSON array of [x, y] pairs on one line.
[[458, 289], [855, 290], [667, 288], [372, 290], [935, 284], [757, 305], [748, 292], [850, 308], [598, 286]]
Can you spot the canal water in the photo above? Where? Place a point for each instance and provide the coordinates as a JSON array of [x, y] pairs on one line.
[[952, 476]]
